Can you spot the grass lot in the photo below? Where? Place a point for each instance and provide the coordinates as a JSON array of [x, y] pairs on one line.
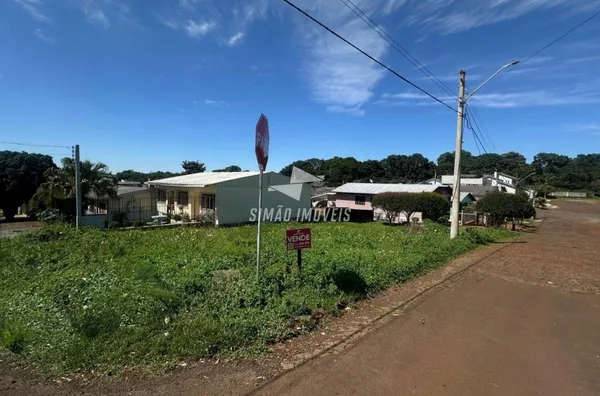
[[75, 301]]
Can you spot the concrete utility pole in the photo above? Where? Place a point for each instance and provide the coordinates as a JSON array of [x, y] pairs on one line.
[[77, 187], [457, 154], [462, 100]]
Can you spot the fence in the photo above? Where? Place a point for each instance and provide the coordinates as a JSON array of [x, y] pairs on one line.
[[473, 218], [567, 194], [145, 209]]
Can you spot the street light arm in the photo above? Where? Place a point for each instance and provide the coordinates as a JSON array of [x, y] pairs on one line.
[[513, 63]]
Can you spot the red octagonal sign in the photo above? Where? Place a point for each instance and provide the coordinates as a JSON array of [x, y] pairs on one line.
[[262, 142]]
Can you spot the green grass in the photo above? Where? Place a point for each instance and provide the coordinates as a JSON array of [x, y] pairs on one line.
[[76, 301]]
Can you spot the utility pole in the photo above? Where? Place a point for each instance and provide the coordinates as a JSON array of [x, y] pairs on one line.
[[77, 187], [459, 137]]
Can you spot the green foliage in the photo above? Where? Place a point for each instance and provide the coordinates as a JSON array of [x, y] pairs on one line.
[[433, 206], [103, 301], [13, 337], [500, 206], [139, 223], [176, 217], [20, 176], [96, 180], [190, 167], [120, 217], [230, 168], [141, 177]]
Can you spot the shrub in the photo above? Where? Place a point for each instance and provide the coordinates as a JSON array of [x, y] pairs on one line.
[[50, 215], [120, 217], [139, 223], [113, 224], [176, 217], [501, 206], [13, 337], [433, 206], [185, 218]]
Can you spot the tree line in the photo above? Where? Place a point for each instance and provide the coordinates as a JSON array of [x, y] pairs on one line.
[[547, 170], [189, 167]]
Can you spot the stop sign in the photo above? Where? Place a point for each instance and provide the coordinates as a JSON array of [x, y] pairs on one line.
[[262, 142]]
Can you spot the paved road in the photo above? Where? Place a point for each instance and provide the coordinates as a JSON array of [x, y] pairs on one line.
[[524, 322]]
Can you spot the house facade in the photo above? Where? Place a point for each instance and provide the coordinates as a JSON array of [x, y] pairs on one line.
[[227, 198], [500, 181], [359, 196], [136, 201]]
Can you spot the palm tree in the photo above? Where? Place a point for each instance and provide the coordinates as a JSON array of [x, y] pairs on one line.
[[96, 180]]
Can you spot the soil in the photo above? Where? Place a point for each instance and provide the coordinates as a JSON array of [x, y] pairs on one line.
[[513, 318]]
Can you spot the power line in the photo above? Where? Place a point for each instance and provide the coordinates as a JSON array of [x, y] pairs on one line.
[[36, 145], [560, 37], [485, 135], [367, 55], [403, 51], [475, 134]]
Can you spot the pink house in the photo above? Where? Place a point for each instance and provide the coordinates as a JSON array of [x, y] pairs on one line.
[[358, 196]]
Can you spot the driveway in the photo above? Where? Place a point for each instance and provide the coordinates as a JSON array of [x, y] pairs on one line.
[[526, 321]]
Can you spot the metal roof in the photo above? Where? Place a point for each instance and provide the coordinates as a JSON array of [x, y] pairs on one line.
[[201, 179], [378, 188], [464, 195]]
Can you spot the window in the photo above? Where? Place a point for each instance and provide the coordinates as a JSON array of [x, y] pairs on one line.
[[182, 198], [207, 202], [359, 200], [162, 196]]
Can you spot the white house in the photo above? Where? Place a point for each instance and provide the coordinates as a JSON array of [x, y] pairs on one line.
[[502, 181], [228, 197]]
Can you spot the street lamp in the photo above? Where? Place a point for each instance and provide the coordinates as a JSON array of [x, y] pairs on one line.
[[462, 100]]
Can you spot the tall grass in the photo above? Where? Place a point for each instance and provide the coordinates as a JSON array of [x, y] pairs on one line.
[[75, 301]]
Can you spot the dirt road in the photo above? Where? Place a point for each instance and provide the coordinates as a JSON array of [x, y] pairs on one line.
[[509, 319], [524, 322]]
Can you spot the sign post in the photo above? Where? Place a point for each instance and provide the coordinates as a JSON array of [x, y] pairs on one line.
[[261, 148], [298, 239]]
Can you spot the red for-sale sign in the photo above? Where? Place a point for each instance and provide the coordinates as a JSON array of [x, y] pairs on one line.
[[298, 239], [261, 146]]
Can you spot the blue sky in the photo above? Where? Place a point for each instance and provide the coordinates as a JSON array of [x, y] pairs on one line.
[[146, 84]]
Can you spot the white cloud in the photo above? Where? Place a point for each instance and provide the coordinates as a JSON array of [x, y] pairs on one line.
[[526, 99], [592, 129], [583, 59], [32, 7], [452, 16], [235, 38], [216, 103], [197, 30], [94, 14], [355, 111], [39, 33]]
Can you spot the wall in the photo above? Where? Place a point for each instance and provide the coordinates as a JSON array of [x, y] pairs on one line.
[[236, 198], [141, 206], [449, 180], [349, 201], [193, 208], [567, 194]]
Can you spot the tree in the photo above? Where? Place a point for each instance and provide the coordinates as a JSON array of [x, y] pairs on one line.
[[131, 175], [501, 206], [230, 168], [190, 167], [388, 203], [95, 178], [314, 166], [21, 174], [512, 163], [371, 170], [432, 206], [341, 170]]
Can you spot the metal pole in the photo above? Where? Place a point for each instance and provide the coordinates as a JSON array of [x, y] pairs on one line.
[[77, 188], [260, 180], [457, 155]]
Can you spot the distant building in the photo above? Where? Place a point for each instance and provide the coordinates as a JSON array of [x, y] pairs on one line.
[[502, 181], [359, 196]]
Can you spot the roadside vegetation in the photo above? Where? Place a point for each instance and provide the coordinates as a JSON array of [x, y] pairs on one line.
[[145, 300]]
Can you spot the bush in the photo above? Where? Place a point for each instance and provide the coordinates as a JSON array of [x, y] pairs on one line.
[[185, 218], [139, 223], [13, 337], [41, 200], [50, 215], [176, 217], [120, 217], [501, 206], [433, 206], [113, 224]]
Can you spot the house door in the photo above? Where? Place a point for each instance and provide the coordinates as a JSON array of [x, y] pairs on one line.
[[133, 210]]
